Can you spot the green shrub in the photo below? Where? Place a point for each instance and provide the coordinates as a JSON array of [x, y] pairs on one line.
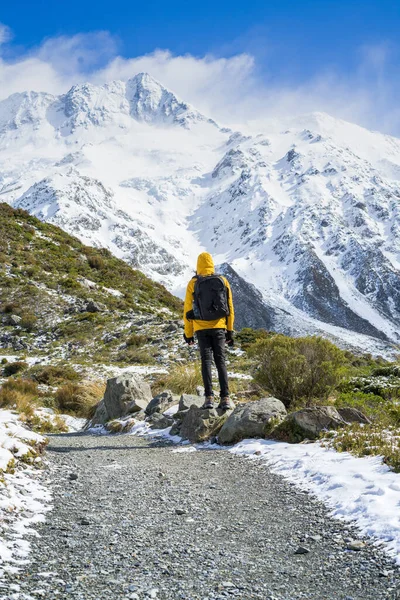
[[54, 374], [136, 340], [248, 336], [369, 441], [392, 370], [298, 369], [139, 356], [10, 307], [14, 367], [28, 321], [69, 283], [30, 271], [96, 262], [4, 361], [44, 424]]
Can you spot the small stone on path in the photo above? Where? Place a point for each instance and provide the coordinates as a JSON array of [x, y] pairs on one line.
[[356, 545], [180, 511], [302, 550]]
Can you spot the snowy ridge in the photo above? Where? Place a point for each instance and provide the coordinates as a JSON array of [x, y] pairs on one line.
[[308, 212]]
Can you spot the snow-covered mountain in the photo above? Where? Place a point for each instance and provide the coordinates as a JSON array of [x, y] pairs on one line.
[[306, 211]]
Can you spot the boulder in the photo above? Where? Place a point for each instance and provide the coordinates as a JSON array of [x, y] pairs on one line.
[[100, 416], [161, 403], [199, 424], [176, 428], [188, 400], [159, 421], [353, 415], [308, 423], [253, 419], [14, 320], [92, 306], [124, 395]]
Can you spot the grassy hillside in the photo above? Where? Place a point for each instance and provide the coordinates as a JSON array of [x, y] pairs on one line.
[[58, 295]]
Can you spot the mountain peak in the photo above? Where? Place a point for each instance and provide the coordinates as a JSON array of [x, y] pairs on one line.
[[146, 80], [151, 102]]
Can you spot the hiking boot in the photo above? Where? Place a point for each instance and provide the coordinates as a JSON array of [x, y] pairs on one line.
[[208, 402], [225, 404]]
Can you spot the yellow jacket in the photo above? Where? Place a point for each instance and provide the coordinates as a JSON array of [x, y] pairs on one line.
[[205, 266]]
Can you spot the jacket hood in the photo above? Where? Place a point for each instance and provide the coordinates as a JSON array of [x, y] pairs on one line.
[[205, 264]]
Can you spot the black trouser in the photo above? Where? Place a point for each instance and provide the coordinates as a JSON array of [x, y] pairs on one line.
[[212, 343]]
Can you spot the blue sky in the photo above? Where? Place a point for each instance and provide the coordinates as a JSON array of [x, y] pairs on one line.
[[322, 50]]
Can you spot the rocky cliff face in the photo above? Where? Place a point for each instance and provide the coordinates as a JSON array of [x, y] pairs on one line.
[[307, 212]]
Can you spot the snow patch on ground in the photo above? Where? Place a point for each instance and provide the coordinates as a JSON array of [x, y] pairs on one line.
[[363, 490], [23, 499], [139, 369], [15, 439]]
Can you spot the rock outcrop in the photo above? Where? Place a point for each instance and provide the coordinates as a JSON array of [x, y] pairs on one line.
[[188, 400], [124, 395], [309, 423], [253, 419], [353, 415], [159, 421], [199, 424], [161, 403]]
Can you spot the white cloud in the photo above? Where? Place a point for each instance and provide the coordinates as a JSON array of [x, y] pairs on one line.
[[231, 90], [5, 34]]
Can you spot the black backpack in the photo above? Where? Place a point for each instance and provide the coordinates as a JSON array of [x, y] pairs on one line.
[[210, 298]]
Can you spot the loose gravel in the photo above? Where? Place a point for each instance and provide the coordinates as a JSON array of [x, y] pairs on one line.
[[134, 520]]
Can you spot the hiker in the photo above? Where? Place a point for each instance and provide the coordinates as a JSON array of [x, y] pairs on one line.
[[208, 312]]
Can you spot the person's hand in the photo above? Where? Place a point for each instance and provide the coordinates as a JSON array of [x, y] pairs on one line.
[[229, 338], [188, 340]]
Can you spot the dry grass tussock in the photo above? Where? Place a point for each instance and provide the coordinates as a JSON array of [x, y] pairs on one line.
[[182, 379], [79, 399], [20, 395]]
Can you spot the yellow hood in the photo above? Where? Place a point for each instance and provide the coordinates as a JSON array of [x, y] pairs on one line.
[[205, 264]]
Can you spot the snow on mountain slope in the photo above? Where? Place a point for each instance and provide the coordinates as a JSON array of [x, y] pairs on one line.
[[307, 212]]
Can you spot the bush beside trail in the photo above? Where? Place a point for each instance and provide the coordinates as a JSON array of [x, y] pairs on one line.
[[296, 369]]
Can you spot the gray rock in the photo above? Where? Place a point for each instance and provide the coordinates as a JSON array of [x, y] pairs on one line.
[[140, 416], [161, 403], [251, 420], [310, 422], [356, 545], [159, 421], [353, 415], [14, 320], [124, 395], [200, 425], [302, 550], [188, 400], [100, 416], [176, 428], [92, 307]]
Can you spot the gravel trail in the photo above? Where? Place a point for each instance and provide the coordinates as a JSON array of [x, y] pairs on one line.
[[141, 521]]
